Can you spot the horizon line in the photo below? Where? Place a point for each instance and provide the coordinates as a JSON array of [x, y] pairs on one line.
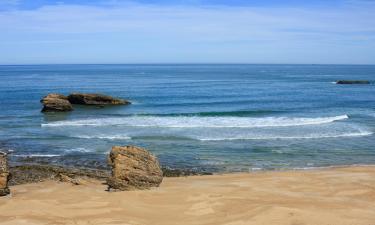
[[174, 63]]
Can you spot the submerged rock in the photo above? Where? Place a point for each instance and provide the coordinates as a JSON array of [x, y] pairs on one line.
[[95, 99], [4, 175], [352, 82], [133, 168], [56, 103]]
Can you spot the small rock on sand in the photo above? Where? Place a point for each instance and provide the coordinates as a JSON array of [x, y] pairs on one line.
[[4, 175], [68, 179], [133, 168]]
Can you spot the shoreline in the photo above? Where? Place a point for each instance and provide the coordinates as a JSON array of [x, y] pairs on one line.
[[342, 196], [33, 173]]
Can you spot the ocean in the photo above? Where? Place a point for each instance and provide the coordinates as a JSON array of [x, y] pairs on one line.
[[215, 118]]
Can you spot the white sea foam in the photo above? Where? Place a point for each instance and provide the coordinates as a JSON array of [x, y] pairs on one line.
[[79, 150], [109, 137], [37, 155], [265, 137], [196, 122], [6, 151]]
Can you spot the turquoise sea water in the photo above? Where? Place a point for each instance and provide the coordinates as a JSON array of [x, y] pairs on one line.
[[200, 117]]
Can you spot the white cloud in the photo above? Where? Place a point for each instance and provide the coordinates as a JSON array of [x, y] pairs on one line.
[[8, 3], [218, 22], [281, 27]]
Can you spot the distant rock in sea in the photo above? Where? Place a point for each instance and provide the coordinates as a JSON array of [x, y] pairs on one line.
[[56, 103], [4, 175], [133, 168], [61, 103], [95, 99], [352, 82]]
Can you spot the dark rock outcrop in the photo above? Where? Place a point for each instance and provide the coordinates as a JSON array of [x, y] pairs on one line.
[[133, 168], [169, 172], [33, 173], [352, 82], [4, 174], [95, 99], [56, 103], [25, 174]]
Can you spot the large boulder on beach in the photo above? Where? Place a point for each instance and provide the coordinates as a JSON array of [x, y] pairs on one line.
[[4, 175], [133, 168], [352, 82], [56, 103], [95, 99]]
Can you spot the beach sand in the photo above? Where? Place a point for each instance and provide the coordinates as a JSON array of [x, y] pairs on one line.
[[342, 196]]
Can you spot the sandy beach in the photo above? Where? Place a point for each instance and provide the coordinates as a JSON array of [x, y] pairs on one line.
[[187, 112], [326, 197]]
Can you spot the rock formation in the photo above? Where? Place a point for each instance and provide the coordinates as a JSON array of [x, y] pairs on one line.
[[95, 99], [62, 103], [133, 168], [56, 103], [4, 175], [352, 82], [25, 174]]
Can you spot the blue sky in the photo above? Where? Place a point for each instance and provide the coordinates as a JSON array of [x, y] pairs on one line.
[[191, 31]]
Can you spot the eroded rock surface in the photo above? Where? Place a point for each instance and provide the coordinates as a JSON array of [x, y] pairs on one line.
[[25, 174], [95, 99], [133, 168], [4, 175], [56, 103]]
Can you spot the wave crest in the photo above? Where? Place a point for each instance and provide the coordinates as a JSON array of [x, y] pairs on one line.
[[198, 122], [108, 137], [316, 136]]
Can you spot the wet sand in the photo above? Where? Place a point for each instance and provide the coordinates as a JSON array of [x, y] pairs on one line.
[[340, 196]]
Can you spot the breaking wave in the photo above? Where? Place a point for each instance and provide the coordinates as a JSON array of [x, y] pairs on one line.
[[196, 121], [312, 136], [37, 155], [109, 137]]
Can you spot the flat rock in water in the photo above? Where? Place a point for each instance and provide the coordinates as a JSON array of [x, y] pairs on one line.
[[133, 168], [352, 82], [56, 103], [95, 99], [4, 175]]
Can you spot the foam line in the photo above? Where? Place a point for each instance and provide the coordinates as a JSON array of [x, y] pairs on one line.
[[196, 122]]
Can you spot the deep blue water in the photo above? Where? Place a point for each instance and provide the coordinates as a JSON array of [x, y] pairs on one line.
[[204, 117]]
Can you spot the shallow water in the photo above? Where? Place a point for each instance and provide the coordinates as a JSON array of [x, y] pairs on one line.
[[201, 117]]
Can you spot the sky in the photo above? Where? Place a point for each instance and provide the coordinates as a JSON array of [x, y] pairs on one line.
[[190, 31]]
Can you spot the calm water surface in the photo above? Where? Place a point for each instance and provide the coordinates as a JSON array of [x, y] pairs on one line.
[[202, 117]]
